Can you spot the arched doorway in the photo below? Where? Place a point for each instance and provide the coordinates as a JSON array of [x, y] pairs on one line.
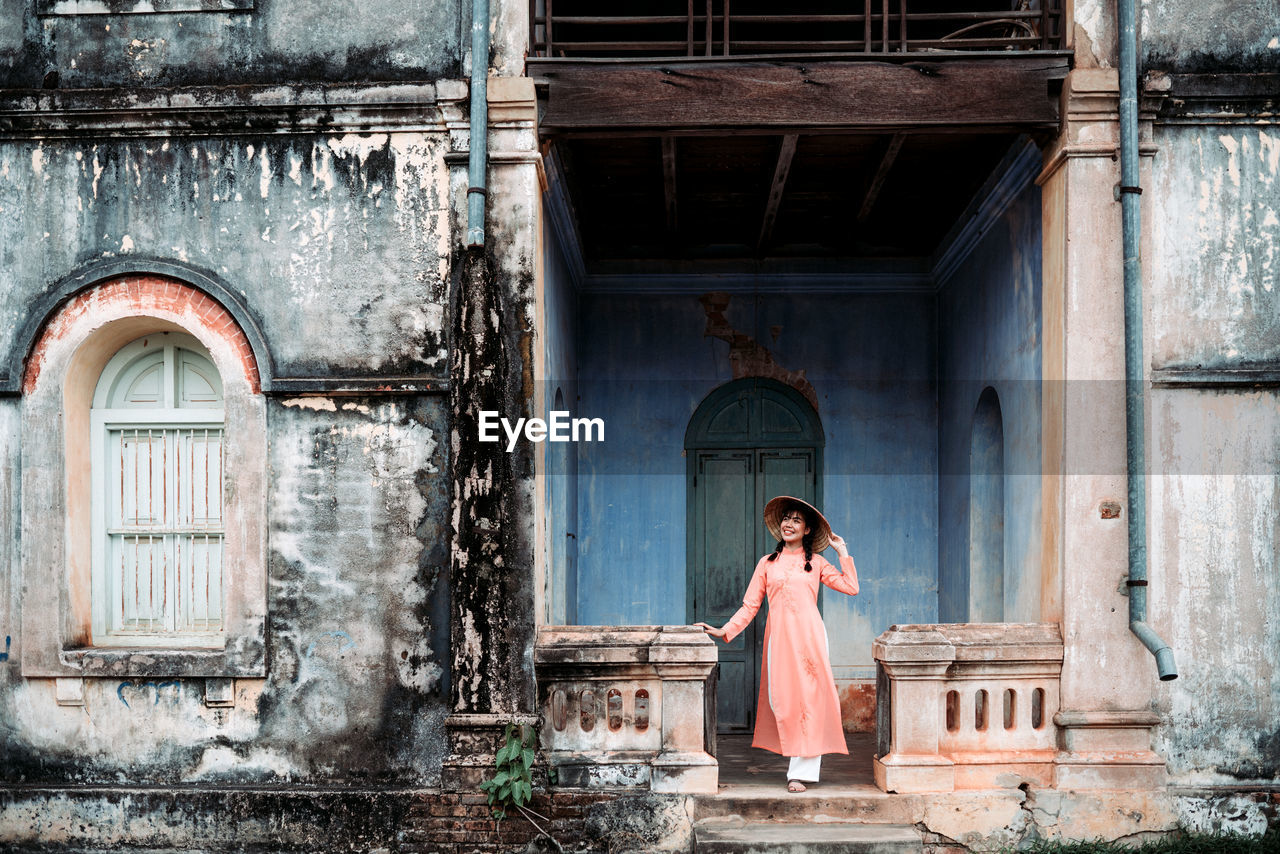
[[748, 441]]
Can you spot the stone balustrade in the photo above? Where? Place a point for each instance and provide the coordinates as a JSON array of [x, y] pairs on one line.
[[629, 706], [967, 705]]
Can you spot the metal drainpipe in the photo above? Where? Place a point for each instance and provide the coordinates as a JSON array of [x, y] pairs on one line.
[[478, 157], [1135, 415]]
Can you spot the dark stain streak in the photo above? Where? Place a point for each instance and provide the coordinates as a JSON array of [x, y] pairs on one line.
[[490, 585]]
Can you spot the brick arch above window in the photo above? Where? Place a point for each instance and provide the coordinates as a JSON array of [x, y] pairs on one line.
[[156, 297], [75, 288], [65, 364]]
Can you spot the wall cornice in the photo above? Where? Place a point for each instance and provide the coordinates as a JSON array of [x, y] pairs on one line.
[[1251, 99], [232, 110]]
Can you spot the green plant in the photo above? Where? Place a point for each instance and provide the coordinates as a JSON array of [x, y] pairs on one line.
[[512, 785], [512, 782]]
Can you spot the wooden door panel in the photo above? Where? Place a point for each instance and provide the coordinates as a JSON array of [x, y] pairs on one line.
[[724, 493]]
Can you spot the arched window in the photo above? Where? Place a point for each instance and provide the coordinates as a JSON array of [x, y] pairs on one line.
[[143, 528], [156, 434]]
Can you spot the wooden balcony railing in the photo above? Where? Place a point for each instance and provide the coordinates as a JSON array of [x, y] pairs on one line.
[[745, 28]]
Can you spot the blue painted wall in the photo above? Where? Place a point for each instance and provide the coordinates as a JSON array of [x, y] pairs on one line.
[[559, 481], [989, 334], [644, 366]]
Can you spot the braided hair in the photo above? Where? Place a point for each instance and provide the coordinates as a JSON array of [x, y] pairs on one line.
[[807, 540]]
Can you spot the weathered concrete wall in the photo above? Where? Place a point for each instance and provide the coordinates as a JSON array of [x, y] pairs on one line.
[[1210, 35], [645, 366], [1215, 241], [1213, 283], [273, 41], [1191, 36], [354, 646], [1092, 35], [989, 335], [338, 248], [339, 244]]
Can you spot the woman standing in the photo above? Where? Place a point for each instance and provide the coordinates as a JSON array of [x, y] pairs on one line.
[[798, 713]]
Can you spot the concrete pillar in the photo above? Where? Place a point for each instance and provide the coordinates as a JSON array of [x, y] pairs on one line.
[[491, 587], [916, 659], [684, 663], [1108, 677]]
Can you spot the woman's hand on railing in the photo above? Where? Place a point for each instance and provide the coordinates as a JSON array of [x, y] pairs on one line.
[[718, 634]]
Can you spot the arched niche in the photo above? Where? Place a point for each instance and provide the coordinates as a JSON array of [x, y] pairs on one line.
[[986, 511]]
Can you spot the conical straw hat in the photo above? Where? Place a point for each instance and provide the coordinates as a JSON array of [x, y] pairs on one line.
[[773, 521]]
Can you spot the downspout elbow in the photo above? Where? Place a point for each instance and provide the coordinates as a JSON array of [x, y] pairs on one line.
[[1165, 665]]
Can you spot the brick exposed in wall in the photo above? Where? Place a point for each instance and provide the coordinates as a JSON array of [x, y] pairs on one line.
[[447, 823], [146, 296]]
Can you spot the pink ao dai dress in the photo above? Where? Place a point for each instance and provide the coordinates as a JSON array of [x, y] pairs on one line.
[[798, 712]]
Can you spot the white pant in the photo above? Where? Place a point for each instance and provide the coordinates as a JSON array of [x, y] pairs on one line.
[[804, 768]]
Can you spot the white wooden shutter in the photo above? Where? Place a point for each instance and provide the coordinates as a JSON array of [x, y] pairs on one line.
[[159, 469]]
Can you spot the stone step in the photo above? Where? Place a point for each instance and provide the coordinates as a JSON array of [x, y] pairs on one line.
[[805, 838], [869, 806]]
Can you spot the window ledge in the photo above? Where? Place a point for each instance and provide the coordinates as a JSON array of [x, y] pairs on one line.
[[172, 663]]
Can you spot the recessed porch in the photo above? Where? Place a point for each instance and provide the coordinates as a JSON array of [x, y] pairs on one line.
[[905, 397], [840, 302]]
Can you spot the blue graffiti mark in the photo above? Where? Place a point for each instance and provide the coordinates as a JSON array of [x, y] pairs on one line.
[[348, 644], [157, 686], [4, 656]]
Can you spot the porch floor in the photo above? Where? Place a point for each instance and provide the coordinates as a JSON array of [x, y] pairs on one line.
[[743, 767]]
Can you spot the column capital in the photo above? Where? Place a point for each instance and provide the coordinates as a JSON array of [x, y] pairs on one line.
[[1090, 111]]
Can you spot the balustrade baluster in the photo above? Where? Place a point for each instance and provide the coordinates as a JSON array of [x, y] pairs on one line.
[[689, 52]]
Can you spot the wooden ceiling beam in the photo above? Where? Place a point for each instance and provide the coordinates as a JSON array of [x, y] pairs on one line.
[[776, 187], [1014, 92], [891, 149]]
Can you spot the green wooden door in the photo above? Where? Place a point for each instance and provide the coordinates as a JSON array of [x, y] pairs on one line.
[[729, 483], [726, 552]]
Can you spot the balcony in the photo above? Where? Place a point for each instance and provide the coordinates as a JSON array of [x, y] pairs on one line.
[[740, 138], [960, 706], [628, 706], [579, 29], [967, 706]]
